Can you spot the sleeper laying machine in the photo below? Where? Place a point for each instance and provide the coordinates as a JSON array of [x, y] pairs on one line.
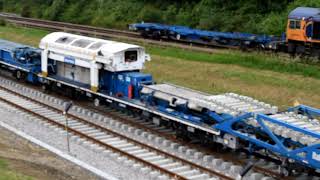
[[108, 72]]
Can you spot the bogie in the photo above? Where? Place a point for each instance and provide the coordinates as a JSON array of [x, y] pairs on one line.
[[20, 75]]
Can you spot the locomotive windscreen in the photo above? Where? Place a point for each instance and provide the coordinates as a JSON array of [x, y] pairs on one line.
[[316, 30], [131, 56]]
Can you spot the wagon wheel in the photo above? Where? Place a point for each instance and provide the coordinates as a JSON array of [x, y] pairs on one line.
[[96, 102], [19, 75]]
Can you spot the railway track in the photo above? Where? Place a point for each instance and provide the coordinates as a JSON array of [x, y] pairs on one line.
[[65, 25], [105, 139], [144, 132], [168, 133]]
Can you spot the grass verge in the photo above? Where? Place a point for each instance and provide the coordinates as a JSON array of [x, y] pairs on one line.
[[22, 34], [7, 174], [253, 60]]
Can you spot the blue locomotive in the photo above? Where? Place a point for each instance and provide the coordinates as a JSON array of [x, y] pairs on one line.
[[108, 72]]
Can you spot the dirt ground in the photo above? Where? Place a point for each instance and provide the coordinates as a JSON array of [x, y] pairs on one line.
[[31, 160]]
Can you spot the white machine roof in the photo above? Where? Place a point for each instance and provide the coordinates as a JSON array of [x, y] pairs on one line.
[[88, 44], [83, 51]]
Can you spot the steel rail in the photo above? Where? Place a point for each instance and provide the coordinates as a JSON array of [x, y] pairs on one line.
[[66, 24]]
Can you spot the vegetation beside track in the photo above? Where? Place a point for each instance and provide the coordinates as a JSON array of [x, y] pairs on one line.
[[269, 78], [253, 60], [7, 174]]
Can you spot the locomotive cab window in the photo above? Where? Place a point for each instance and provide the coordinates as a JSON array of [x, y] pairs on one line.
[[294, 24], [131, 56]]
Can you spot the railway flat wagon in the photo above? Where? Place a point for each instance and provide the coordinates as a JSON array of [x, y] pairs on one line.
[[186, 34], [24, 61]]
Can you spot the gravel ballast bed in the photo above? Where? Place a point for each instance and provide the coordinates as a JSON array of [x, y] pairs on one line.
[[57, 138]]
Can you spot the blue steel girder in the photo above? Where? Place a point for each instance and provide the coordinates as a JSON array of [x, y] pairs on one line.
[[312, 152], [217, 117], [306, 110]]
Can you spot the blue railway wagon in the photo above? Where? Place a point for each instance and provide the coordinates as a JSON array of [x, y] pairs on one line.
[[183, 33], [24, 61], [238, 122]]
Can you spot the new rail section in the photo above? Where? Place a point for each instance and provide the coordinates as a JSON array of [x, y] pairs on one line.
[[108, 72]]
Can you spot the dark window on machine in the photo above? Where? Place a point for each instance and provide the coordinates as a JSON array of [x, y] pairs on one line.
[[65, 40], [298, 24], [96, 45], [100, 53], [294, 24], [130, 56], [81, 43]]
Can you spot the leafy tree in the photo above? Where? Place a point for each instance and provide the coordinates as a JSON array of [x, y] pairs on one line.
[[1, 5], [150, 14], [26, 11], [53, 11]]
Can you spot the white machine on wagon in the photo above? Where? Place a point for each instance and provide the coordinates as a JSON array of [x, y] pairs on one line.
[[79, 59]]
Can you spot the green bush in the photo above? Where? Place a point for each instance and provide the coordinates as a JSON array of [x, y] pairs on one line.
[[150, 14], [55, 9], [2, 22]]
